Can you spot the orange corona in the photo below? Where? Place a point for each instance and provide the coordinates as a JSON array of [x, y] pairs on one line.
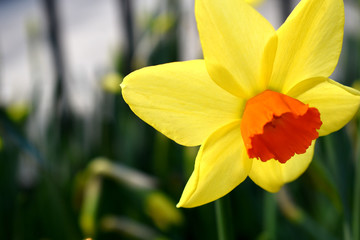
[[276, 126]]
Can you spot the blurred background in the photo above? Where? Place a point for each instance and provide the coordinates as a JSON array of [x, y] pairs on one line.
[[76, 163]]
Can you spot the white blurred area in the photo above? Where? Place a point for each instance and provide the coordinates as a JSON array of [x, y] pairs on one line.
[[92, 37], [90, 31]]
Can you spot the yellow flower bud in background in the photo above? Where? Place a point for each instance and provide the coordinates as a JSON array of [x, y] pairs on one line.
[[163, 23], [17, 111], [111, 82], [162, 211]]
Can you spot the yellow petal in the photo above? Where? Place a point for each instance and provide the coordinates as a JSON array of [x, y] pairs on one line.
[[233, 37], [254, 2], [267, 62], [272, 175], [180, 100], [220, 166], [336, 103], [309, 44]]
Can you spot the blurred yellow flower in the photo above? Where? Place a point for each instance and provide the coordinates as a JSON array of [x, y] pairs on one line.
[[163, 23], [111, 83], [18, 111], [256, 103], [162, 210]]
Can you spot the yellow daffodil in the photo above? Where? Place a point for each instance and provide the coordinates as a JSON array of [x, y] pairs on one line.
[[256, 103]]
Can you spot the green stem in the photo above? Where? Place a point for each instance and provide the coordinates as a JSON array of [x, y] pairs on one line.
[[356, 216], [270, 216], [223, 218], [332, 155], [356, 201]]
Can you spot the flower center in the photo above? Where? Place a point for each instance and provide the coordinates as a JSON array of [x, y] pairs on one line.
[[276, 126]]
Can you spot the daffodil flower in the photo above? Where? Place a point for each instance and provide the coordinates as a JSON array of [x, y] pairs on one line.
[[256, 103]]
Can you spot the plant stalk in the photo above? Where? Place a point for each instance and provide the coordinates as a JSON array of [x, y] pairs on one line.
[[223, 218]]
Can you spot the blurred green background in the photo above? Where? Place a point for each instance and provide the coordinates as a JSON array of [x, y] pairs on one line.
[[76, 163]]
